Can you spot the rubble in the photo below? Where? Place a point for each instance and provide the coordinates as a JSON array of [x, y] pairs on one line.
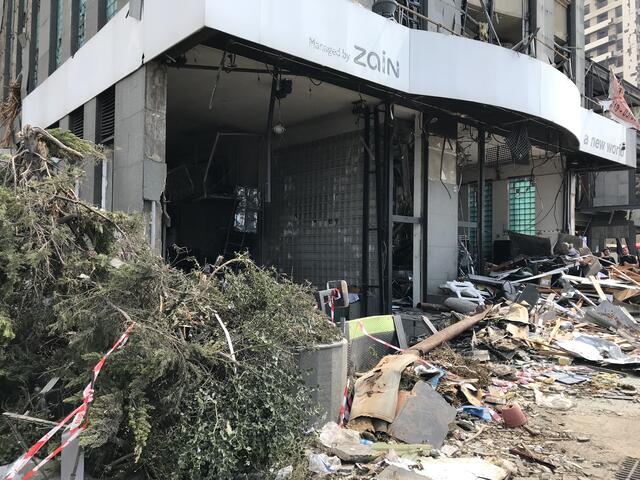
[[490, 388], [424, 417]]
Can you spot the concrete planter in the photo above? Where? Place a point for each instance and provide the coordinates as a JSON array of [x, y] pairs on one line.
[[324, 368]]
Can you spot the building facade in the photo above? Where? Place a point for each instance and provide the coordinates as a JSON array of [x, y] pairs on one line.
[[331, 139], [611, 36]]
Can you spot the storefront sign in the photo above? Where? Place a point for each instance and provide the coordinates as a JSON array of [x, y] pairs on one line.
[[607, 139], [348, 38]]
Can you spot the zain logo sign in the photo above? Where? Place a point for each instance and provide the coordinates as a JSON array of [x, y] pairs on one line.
[[377, 62]]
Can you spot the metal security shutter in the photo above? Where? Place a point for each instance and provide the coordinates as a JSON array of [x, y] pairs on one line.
[[106, 115], [76, 122], [522, 205]]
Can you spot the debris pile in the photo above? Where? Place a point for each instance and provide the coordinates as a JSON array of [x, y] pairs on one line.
[[535, 339], [208, 386]]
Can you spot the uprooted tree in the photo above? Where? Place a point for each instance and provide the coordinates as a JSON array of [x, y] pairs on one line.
[[174, 403]]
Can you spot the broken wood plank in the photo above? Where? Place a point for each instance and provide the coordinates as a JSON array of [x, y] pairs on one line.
[[429, 325], [596, 284]]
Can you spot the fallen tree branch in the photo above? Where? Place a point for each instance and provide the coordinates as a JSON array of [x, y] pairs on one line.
[[42, 132], [93, 210]]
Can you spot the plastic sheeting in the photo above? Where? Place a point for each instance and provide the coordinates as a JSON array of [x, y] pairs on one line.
[[597, 350]]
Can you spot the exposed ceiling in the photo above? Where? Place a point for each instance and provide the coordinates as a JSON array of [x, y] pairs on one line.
[[241, 100]]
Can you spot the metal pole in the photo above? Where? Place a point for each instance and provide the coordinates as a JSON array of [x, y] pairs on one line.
[[418, 192], [365, 211], [272, 102], [266, 184], [388, 220], [379, 208], [425, 212], [480, 201]]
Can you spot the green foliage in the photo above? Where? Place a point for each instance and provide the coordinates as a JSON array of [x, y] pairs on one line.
[[88, 149], [6, 330], [173, 403]]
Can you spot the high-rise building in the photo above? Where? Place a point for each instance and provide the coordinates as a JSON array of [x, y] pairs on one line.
[[611, 35]]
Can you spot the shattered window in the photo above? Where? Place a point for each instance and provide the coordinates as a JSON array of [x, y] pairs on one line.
[[522, 205], [246, 212]]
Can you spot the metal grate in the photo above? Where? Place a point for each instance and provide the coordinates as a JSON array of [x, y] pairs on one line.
[[106, 115], [518, 143], [76, 122], [629, 469], [522, 205], [502, 155]]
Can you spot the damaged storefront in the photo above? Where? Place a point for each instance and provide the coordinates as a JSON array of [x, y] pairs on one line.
[[294, 170], [332, 153]]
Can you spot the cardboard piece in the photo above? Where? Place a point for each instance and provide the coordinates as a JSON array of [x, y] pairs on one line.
[[376, 392], [425, 417]]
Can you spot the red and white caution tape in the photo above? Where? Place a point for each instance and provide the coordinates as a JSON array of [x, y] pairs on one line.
[[77, 420], [343, 408], [393, 347]]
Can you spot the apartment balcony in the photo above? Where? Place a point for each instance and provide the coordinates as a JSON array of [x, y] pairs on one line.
[[598, 26], [590, 47]]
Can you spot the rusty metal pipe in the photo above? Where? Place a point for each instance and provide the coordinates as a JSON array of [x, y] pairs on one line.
[[449, 333]]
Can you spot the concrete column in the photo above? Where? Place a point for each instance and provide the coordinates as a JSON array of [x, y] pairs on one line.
[[65, 123], [71, 460], [89, 124], [442, 12], [576, 42], [139, 168], [44, 40], [129, 142], [418, 202], [92, 19], [67, 34], [441, 217], [542, 16], [155, 135]]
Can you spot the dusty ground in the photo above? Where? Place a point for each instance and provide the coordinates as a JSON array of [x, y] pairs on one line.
[[586, 442]]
